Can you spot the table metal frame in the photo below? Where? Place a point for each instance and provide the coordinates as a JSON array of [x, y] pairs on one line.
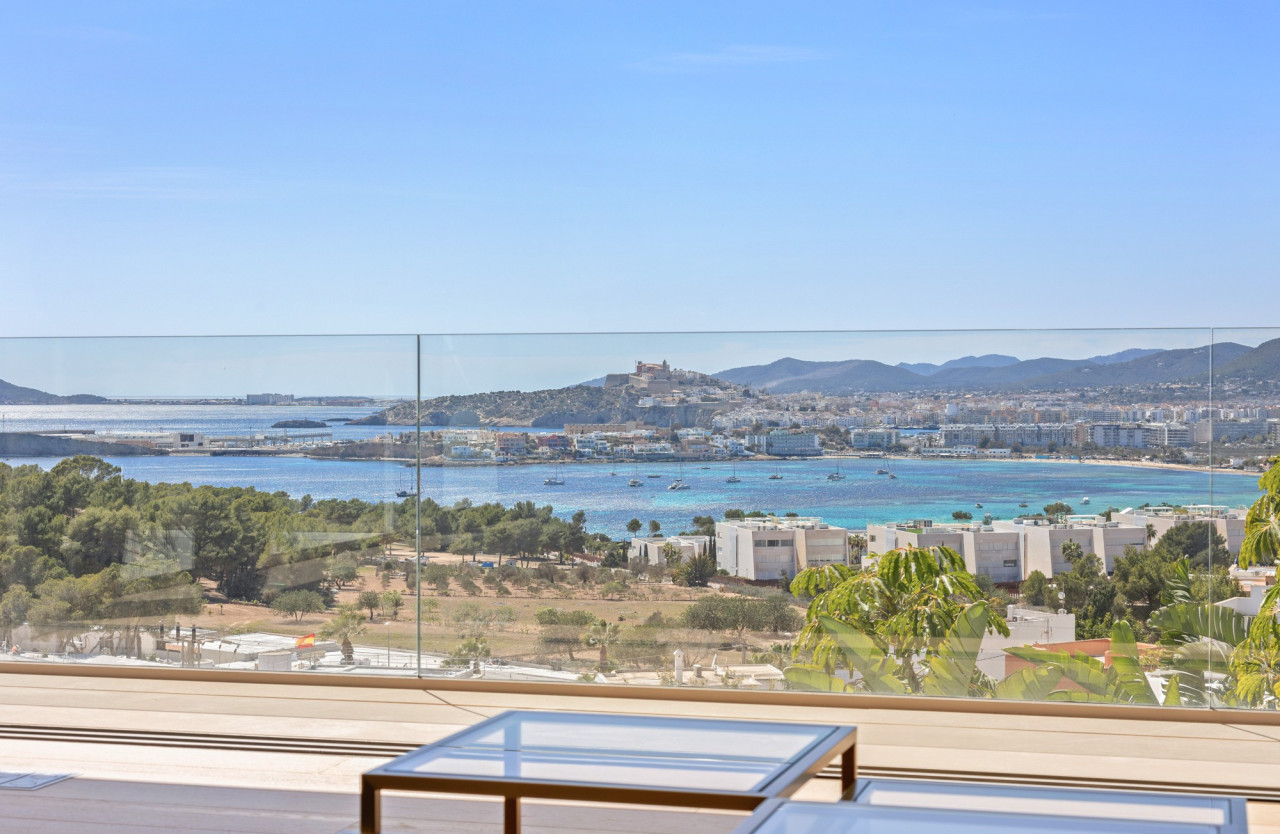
[[838, 740]]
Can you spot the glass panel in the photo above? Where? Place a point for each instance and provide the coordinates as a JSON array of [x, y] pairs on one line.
[[1246, 439], [204, 502], [558, 468]]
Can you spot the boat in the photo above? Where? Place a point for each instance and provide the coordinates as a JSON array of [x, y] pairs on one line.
[[613, 473], [979, 505], [555, 480], [775, 477], [837, 475], [704, 467], [882, 471], [634, 482], [1084, 500], [733, 479], [1023, 504], [677, 484], [404, 493], [893, 477], [653, 476]]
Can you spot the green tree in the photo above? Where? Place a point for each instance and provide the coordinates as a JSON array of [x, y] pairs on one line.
[[297, 604], [696, 572], [901, 609], [391, 604], [962, 515], [655, 526], [1057, 509], [348, 624], [601, 635], [634, 525], [1035, 589], [343, 570], [370, 601], [1199, 541]]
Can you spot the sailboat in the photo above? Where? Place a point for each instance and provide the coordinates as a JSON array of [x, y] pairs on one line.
[[635, 479], [403, 492], [776, 476], [733, 479], [678, 483], [837, 475], [555, 480]]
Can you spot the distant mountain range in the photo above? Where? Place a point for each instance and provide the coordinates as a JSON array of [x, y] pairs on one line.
[[11, 394], [1136, 366]]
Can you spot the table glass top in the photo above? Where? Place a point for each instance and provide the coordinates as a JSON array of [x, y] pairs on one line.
[[848, 818], [644, 751]]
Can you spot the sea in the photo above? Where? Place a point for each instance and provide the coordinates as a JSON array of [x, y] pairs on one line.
[[922, 489]]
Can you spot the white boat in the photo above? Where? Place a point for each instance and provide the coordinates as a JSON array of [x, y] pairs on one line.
[[634, 482], [882, 471], [1084, 500], [555, 480], [677, 484], [837, 475], [733, 479]]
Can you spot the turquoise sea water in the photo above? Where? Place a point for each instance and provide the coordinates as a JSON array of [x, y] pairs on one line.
[[923, 489]]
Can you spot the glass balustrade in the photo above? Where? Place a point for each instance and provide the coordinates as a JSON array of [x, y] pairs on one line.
[[1020, 515]]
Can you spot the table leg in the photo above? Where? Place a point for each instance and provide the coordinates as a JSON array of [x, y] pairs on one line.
[[848, 772], [511, 815], [370, 809]]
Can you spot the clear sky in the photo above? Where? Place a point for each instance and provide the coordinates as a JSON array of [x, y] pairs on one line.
[[335, 167]]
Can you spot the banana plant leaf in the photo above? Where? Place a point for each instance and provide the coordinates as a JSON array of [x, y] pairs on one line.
[[813, 680], [1131, 682], [1187, 622], [865, 657], [951, 668], [1033, 683]]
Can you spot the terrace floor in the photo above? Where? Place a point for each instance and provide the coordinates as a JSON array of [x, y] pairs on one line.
[[131, 777]]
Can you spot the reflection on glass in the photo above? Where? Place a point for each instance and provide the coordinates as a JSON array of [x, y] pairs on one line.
[[1012, 514]]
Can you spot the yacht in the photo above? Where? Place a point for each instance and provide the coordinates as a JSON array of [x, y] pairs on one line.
[[775, 477], [733, 479], [979, 505], [634, 482], [653, 476], [677, 484], [1084, 500], [555, 480], [882, 471], [1023, 504], [837, 475], [893, 477]]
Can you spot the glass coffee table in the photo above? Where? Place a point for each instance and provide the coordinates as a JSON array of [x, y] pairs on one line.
[[634, 759]]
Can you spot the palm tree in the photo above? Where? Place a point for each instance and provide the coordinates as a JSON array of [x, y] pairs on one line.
[[902, 610], [601, 634], [858, 546], [347, 624]]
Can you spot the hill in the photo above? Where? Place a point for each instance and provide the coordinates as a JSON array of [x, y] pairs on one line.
[[989, 360], [789, 375], [11, 394]]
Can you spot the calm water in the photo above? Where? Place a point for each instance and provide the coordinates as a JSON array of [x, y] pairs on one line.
[[923, 489]]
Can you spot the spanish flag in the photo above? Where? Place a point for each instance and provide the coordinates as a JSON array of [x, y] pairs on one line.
[[305, 642]]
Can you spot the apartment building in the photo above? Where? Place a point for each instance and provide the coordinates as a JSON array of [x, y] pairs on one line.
[[874, 438], [775, 548], [986, 551], [1041, 541], [1228, 522], [783, 443]]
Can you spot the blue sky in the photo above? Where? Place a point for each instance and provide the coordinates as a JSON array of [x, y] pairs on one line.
[[321, 167], [463, 364]]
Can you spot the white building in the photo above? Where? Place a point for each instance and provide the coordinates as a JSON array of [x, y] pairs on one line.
[[1027, 626], [775, 548], [1041, 541], [986, 551], [1228, 522], [651, 548]]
